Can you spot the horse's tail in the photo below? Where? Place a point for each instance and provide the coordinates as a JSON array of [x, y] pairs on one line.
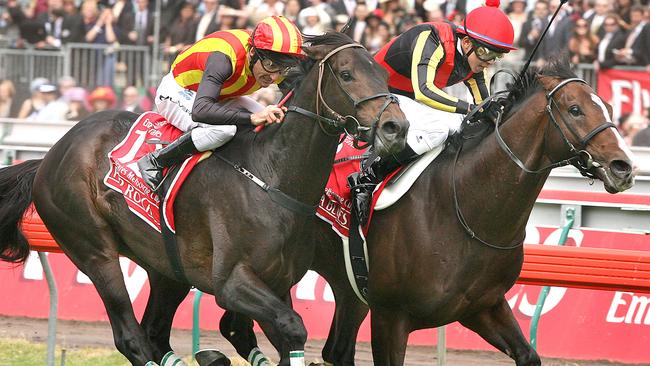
[[16, 183]]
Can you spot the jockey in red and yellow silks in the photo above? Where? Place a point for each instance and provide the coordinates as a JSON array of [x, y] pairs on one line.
[[204, 94], [420, 63]]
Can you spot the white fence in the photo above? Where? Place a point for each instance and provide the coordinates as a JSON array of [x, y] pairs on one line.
[[91, 65]]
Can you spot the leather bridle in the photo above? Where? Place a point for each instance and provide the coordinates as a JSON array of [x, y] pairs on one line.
[[339, 123], [580, 158]]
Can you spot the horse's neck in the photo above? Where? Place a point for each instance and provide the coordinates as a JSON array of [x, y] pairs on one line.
[[489, 178], [299, 155]]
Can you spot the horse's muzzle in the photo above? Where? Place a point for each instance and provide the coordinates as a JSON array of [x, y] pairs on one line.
[[390, 137], [617, 176]]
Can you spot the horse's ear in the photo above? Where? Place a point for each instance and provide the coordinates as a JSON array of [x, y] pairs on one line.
[[317, 52], [548, 82]]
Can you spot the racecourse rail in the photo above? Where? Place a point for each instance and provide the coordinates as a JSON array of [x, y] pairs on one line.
[[544, 265]]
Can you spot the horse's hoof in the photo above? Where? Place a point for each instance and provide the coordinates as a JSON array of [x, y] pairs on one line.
[[211, 357]]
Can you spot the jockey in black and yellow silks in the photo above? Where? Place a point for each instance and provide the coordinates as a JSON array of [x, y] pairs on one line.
[[204, 94], [420, 63]]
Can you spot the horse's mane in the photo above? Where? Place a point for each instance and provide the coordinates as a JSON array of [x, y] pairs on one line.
[[518, 93], [528, 85]]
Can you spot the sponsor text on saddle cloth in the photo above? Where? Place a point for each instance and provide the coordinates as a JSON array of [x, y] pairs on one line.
[[335, 204], [124, 175]]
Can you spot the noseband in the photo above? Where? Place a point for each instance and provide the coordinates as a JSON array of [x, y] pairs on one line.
[[580, 157], [348, 124]]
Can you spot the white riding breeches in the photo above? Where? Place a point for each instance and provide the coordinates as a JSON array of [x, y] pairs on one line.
[[428, 127], [175, 103]]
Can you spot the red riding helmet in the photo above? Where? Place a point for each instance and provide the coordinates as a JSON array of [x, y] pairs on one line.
[[277, 34], [490, 26]]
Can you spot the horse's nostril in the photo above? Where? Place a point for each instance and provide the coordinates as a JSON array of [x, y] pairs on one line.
[[391, 128], [620, 168]]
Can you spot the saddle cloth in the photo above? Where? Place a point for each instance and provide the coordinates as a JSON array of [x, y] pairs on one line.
[[335, 204], [124, 175]]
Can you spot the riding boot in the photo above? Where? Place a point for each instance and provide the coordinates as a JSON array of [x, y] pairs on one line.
[[362, 184], [151, 165]]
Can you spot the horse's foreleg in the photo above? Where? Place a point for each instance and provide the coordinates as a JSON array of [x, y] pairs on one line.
[[245, 293], [238, 330], [390, 332], [165, 297], [498, 326]]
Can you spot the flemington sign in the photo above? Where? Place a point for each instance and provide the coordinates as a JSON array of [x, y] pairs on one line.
[[626, 91], [576, 324]]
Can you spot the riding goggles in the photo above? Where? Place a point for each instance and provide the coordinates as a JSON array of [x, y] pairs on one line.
[[485, 54], [270, 67]]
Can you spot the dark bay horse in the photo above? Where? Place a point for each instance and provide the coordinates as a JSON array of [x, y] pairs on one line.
[[234, 242], [425, 269]]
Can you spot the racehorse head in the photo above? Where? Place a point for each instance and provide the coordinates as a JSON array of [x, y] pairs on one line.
[[353, 89], [582, 131]]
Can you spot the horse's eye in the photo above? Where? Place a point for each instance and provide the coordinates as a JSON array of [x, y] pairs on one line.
[[346, 75], [575, 111]]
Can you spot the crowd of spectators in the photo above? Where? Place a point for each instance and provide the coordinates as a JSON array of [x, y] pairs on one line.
[[604, 33]]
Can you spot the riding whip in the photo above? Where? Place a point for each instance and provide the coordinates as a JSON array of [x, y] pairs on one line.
[[532, 54]]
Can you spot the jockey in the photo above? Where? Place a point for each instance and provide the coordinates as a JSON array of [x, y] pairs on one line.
[[204, 94], [422, 61]]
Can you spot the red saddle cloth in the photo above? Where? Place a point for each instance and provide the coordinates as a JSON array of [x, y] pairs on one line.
[[335, 204], [124, 175]]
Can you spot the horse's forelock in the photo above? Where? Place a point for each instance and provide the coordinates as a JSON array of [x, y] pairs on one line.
[[333, 39]]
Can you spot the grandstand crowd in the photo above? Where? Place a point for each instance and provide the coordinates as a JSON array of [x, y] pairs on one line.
[[604, 33]]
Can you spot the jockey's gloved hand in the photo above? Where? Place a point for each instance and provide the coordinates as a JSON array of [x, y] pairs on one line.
[[491, 110]]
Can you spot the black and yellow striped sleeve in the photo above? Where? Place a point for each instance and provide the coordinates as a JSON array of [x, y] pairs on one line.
[[427, 55], [478, 86]]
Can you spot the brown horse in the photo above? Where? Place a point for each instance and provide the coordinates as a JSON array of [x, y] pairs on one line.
[[234, 241], [451, 248]]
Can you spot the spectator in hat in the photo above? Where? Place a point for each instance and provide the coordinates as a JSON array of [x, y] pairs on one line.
[[266, 8], [101, 99], [53, 108], [76, 99], [310, 22], [35, 102], [375, 36], [229, 18]]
